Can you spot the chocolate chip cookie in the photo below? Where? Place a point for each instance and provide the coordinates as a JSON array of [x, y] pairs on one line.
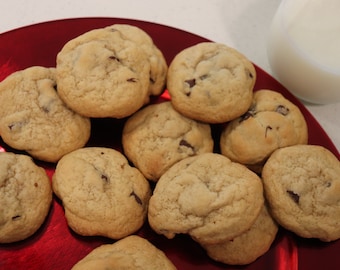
[[103, 73], [206, 196], [271, 122], [101, 193], [211, 82], [249, 246], [158, 136], [131, 252], [302, 186], [25, 197], [33, 118]]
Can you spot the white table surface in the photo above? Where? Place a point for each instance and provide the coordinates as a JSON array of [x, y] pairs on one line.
[[242, 24]]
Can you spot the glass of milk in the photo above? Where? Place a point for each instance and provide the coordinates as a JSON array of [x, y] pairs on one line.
[[304, 49]]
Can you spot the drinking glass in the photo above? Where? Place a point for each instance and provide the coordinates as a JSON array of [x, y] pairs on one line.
[[304, 49]]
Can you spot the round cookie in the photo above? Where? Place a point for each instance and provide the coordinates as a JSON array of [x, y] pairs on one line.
[[33, 118], [211, 82], [249, 246], [103, 74], [158, 136], [206, 196], [271, 122], [101, 193], [158, 65], [25, 197], [132, 252], [302, 186]]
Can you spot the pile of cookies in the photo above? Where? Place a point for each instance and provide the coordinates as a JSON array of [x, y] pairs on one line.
[[230, 193]]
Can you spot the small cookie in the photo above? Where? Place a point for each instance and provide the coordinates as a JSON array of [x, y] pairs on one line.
[[249, 246], [271, 122], [302, 186], [25, 197], [211, 82], [206, 196], [157, 136], [158, 65], [132, 252], [33, 118], [101, 73], [101, 193]]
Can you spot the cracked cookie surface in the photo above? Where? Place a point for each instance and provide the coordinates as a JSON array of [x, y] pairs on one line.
[[208, 197], [101, 193], [302, 186], [271, 122], [211, 82], [132, 252], [25, 197], [33, 118], [101, 73], [158, 136]]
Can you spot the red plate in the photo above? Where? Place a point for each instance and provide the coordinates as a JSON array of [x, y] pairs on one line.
[[55, 246]]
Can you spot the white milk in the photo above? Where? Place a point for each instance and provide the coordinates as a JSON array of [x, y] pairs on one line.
[[304, 48]]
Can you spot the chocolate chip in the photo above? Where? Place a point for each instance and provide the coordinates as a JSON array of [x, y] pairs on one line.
[[105, 178], [295, 197], [186, 144], [249, 73], [191, 82], [45, 109], [203, 77], [268, 128], [36, 184], [114, 58], [152, 81], [132, 80], [250, 113], [138, 200], [282, 110], [17, 217], [16, 126]]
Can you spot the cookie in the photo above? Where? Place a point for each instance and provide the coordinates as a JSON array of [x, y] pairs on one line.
[[157, 137], [33, 118], [158, 65], [302, 186], [132, 252], [206, 196], [211, 82], [25, 197], [271, 122], [101, 73], [249, 246], [101, 193]]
